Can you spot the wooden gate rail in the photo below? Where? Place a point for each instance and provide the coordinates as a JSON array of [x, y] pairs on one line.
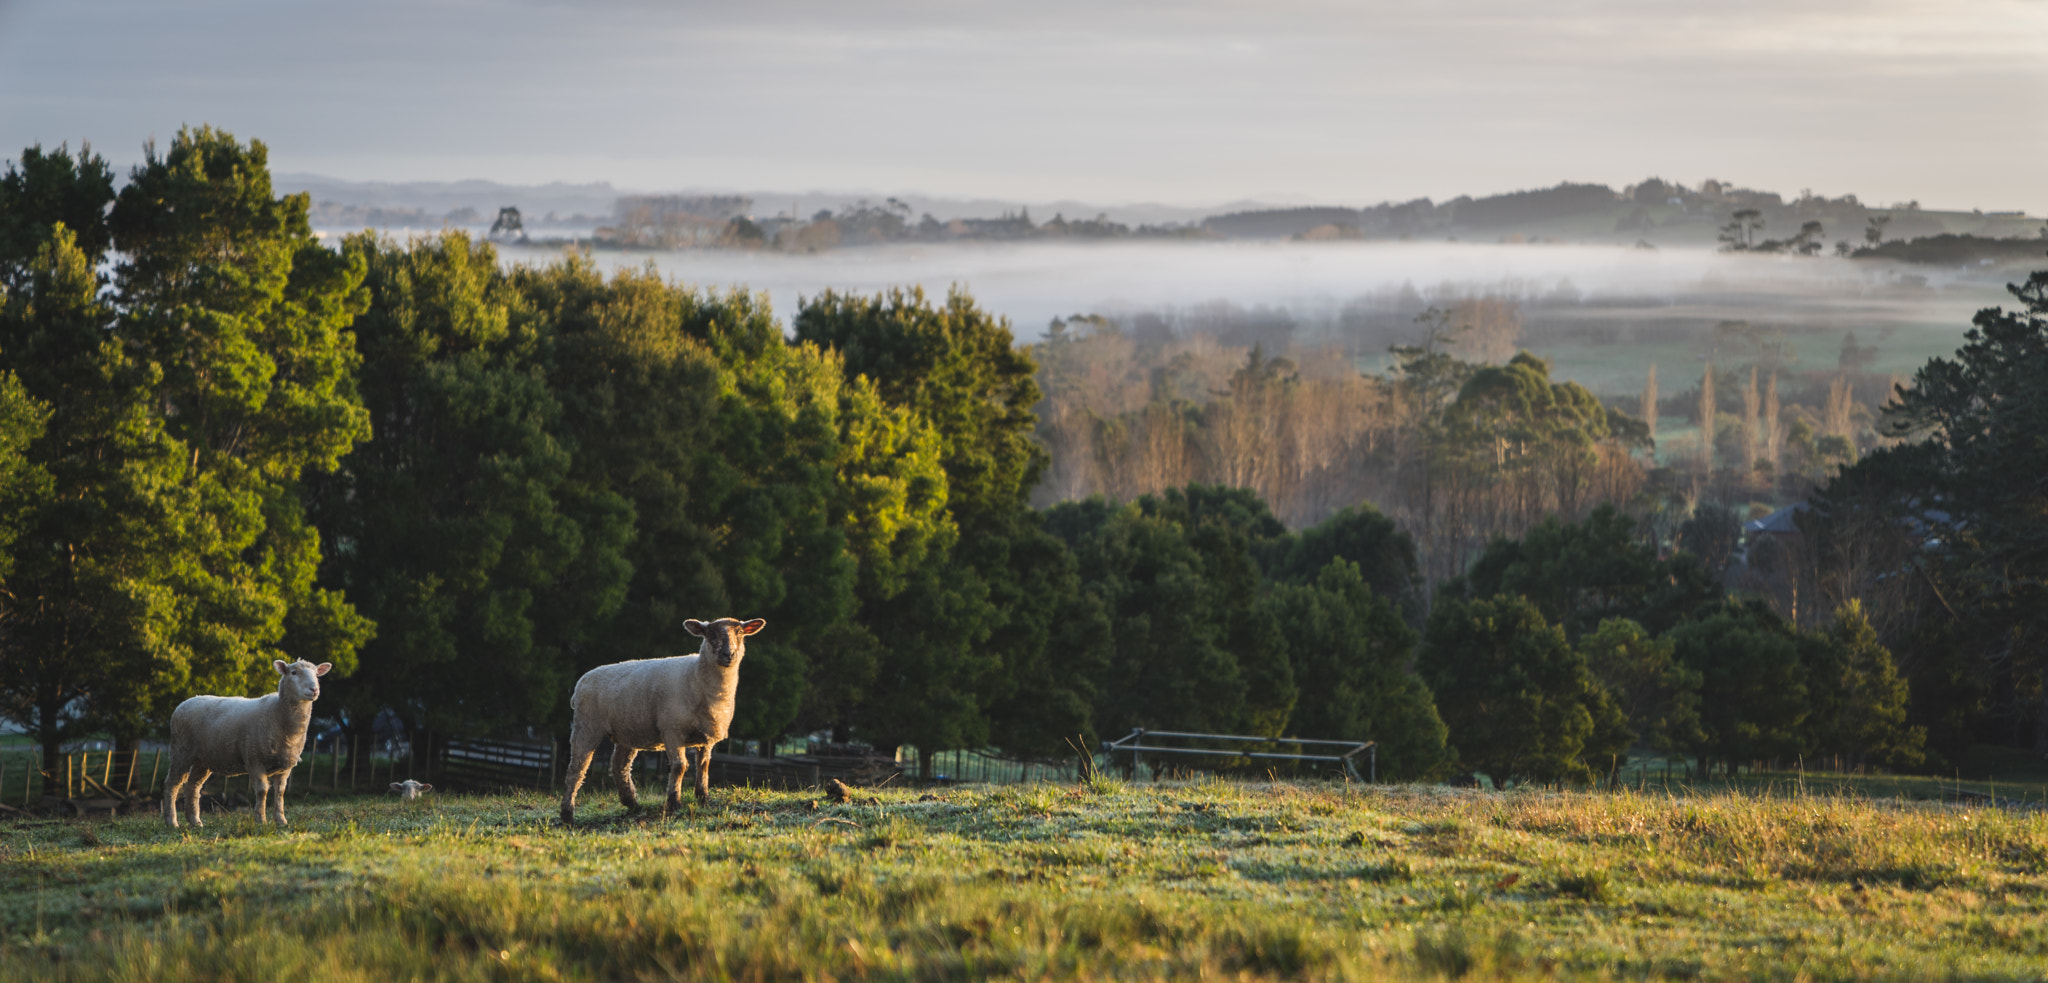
[[501, 763]]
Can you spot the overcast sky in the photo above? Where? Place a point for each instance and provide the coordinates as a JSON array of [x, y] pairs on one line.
[[1189, 103]]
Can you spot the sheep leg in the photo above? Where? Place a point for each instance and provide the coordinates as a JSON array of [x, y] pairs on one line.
[[277, 789], [200, 773], [678, 767], [174, 786], [703, 772], [259, 789], [581, 750], [622, 773]]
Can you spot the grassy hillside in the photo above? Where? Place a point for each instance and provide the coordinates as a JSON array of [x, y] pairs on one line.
[[1109, 881]]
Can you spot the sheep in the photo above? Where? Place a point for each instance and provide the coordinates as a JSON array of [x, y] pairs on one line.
[[236, 734], [409, 790], [672, 704]]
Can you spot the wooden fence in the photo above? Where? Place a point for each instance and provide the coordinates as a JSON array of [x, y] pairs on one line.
[[114, 780]]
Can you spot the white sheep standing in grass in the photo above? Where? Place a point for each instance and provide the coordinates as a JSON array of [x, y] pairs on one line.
[[673, 704], [409, 790], [235, 734]]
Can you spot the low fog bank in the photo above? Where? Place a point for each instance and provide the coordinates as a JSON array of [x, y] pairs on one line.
[[1600, 313]]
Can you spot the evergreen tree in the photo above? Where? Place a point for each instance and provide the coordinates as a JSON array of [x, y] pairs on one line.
[[1169, 668], [1964, 472], [1580, 574], [955, 638], [1858, 698], [240, 317], [1361, 535], [89, 593], [1657, 696], [1753, 684], [47, 189], [1520, 702], [457, 528], [24, 484], [1350, 654]]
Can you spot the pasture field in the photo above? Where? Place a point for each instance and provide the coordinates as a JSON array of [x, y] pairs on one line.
[[1106, 880]]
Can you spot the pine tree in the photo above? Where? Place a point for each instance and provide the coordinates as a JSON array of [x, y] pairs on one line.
[[1520, 702], [239, 316]]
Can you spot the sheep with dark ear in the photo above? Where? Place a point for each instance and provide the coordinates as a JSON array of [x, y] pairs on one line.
[[262, 737], [676, 704]]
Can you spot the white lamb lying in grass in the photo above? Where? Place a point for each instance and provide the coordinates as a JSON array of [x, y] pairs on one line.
[[409, 790], [673, 704], [236, 734]]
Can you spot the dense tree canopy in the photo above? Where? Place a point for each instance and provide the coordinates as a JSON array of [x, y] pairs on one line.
[[187, 398], [224, 441], [1520, 702], [1962, 494]]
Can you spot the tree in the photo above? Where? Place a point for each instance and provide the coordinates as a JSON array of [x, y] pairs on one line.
[[1581, 574], [85, 592], [1520, 702], [185, 408], [1739, 235], [1656, 695], [959, 632], [1170, 670], [1350, 652], [1753, 683], [1361, 535], [1712, 534], [24, 483], [1965, 475], [45, 190], [1859, 699], [1193, 647], [240, 316], [459, 528]]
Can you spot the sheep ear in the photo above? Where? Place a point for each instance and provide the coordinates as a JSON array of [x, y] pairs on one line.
[[694, 627], [321, 669], [398, 786], [753, 626], [424, 787], [280, 664]]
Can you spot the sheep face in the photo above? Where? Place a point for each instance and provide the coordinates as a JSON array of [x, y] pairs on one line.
[[299, 682], [409, 790], [725, 639]]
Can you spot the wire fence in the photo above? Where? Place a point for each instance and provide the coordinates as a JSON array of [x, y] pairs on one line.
[[89, 779]]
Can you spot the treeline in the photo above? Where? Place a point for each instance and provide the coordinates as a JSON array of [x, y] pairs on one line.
[[1939, 532], [863, 223], [464, 484]]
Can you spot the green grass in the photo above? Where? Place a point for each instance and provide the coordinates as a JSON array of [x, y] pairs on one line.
[[1111, 880]]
